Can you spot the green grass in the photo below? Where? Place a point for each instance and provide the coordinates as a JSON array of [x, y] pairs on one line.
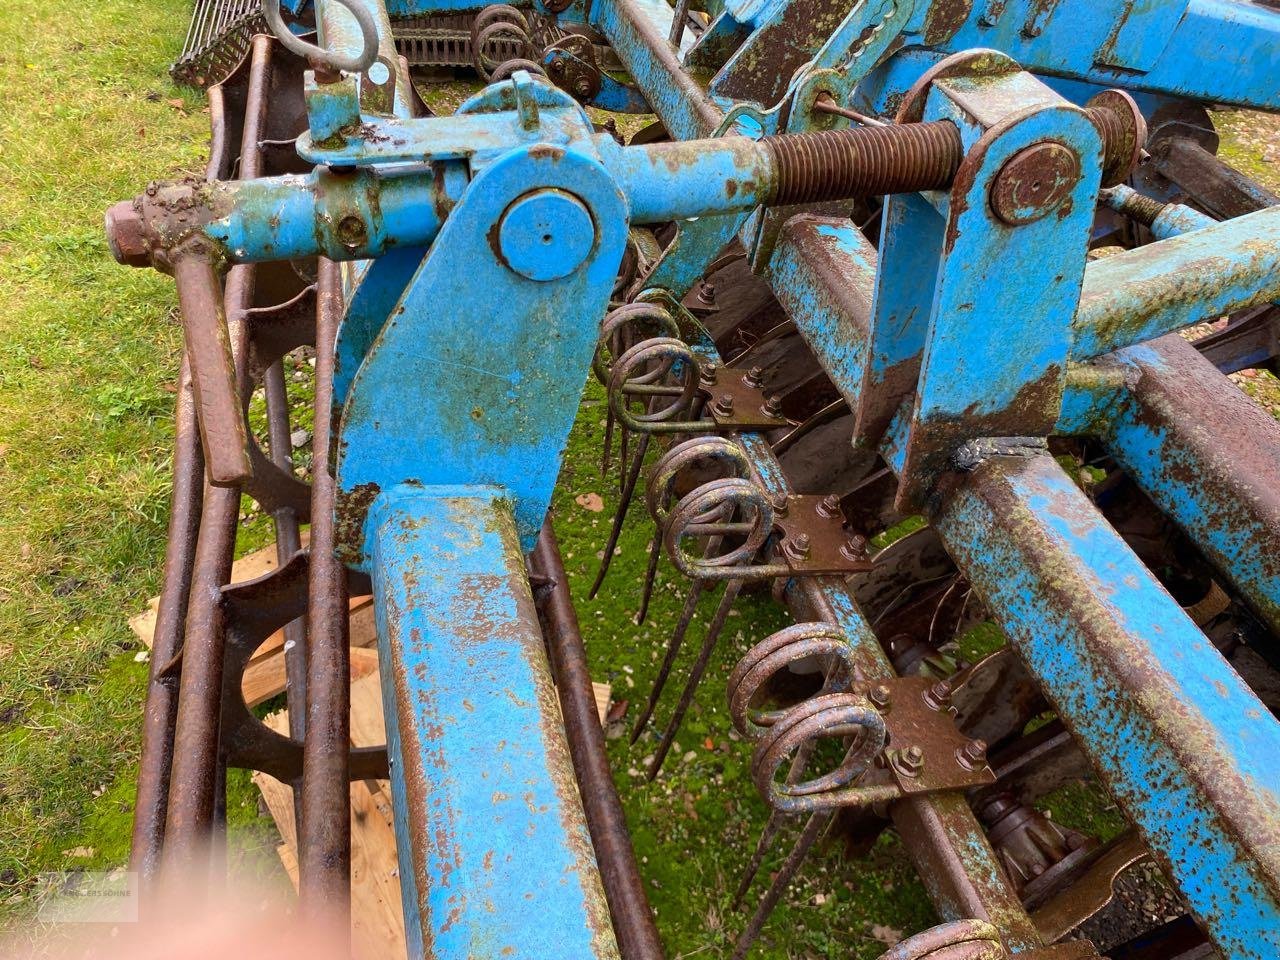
[[86, 381]]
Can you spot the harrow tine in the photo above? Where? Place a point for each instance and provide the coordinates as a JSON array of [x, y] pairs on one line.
[[727, 599], [608, 441], [650, 576], [632, 474], [771, 828], [764, 843], [669, 659], [813, 829]]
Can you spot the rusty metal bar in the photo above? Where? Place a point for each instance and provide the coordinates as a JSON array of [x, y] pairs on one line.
[[628, 905], [161, 707], [324, 837], [195, 752]]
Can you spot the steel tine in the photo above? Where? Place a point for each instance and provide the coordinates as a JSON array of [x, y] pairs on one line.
[[813, 829], [650, 575], [728, 598], [669, 659], [772, 826], [620, 515], [608, 441]]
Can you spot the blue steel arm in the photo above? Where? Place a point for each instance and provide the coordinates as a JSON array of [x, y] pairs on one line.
[[495, 856]]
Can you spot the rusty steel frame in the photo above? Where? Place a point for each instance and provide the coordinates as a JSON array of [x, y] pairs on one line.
[[1130, 673]]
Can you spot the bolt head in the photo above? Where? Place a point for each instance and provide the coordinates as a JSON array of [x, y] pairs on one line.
[[127, 236], [880, 696], [773, 405], [973, 754], [724, 403], [708, 373], [1034, 182]]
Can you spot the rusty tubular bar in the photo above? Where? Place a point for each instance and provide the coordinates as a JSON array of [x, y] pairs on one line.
[[213, 368], [161, 706], [288, 541], [195, 752], [324, 838], [623, 888]]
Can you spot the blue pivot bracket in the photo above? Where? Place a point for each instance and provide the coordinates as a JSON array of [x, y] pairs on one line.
[[451, 434]]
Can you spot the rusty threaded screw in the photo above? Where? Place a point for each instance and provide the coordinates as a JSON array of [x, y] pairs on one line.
[[708, 374], [939, 695], [973, 754], [724, 405], [880, 697], [797, 547]]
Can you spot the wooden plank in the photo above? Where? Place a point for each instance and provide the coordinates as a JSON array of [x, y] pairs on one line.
[[377, 920], [604, 694]]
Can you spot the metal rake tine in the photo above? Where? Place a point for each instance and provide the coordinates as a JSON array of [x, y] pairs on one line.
[[728, 598], [650, 575], [669, 659], [620, 515], [786, 873], [608, 441], [623, 435], [772, 826]]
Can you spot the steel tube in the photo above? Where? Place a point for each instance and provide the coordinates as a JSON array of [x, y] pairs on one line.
[[1147, 292], [623, 888], [1184, 745], [161, 706], [195, 757], [324, 838]]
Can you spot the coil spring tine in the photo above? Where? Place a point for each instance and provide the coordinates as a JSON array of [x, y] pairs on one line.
[[728, 598], [673, 648], [632, 474]]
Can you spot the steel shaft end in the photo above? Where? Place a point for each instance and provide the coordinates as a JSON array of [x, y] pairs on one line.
[[126, 235]]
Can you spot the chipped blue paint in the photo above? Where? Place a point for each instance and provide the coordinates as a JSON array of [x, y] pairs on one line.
[[495, 858], [1144, 293], [1206, 455], [476, 376], [823, 272], [1184, 745]]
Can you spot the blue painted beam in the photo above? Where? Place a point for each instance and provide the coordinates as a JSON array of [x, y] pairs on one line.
[[1186, 748], [495, 857], [1208, 456], [1147, 292], [823, 272]]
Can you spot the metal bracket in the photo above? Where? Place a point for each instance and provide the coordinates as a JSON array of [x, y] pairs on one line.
[[925, 751]]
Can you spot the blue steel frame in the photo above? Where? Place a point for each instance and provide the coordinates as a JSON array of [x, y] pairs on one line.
[[497, 235]]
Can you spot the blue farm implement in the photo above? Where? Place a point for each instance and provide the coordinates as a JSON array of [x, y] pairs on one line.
[[849, 274]]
